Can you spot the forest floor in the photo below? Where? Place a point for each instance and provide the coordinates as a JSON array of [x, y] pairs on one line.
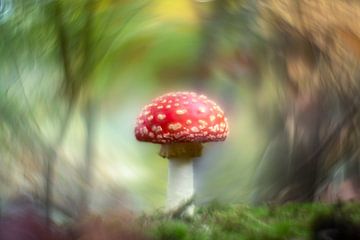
[[289, 221], [212, 222]]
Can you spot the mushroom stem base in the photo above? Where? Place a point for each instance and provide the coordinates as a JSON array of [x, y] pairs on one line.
[[184, 151], [180, 183]]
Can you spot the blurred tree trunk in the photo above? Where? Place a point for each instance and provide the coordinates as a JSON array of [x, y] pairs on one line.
[[316, 46], [89, 111], [51, 161], [64, 56], [88, 167]]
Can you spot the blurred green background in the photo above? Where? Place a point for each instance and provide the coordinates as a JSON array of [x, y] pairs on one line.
[[75, 75]]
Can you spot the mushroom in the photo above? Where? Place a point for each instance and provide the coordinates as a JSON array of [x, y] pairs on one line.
[[181, 122]]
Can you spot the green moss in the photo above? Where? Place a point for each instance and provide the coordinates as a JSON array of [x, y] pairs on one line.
[[172, 230], [179, 230], [227, 222]]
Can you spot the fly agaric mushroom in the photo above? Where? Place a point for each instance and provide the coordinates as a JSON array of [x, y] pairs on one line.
[[181, 122]]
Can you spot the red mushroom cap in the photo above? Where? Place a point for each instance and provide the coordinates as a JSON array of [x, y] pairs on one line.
[[181, 117]]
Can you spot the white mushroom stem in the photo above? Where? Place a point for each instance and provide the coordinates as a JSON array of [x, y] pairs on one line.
[[180, 183]]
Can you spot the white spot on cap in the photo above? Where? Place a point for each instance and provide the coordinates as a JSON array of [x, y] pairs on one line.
[[202, 109], [202, 97], [141, 121], [188, 122], [151, 135], [160, 107], [194, 129], [202, 122], [174, 126], [161, 116], [143, 131], [219, 115], [163, 101], [176, 104], [181, 111], [146, 113], [212, 118], [156, 129], [168, 106], [178, 135], [151, 117]]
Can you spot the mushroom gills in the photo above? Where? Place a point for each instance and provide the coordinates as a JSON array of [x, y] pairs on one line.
[[183, 151]]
